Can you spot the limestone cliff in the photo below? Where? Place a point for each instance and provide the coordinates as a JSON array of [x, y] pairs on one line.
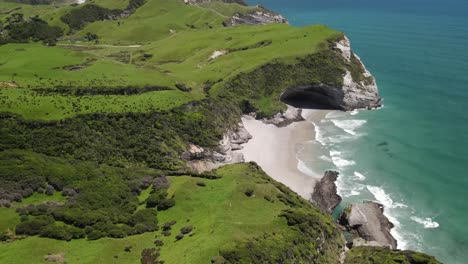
[[356, 89]]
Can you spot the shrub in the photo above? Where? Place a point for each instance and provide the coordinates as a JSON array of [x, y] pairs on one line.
[[4, 236], [166, 204], [33, 226], [249, 192], [149, 256], [186, 229], [95, 234], [58, 232], [156, 198], [158, 243], [179, 237], [166, 233], [201, 184], [145, 216], [168, 225]]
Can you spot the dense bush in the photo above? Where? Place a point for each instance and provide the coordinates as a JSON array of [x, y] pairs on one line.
[[153, 139], [17, 29], [62, 232], [156, 198], [33, 226], [145, 217], [77, 18], [165, 204], [377, 255]]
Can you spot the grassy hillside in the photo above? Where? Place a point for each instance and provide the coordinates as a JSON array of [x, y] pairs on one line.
[[374, 255], [223, 217], [98, 101]]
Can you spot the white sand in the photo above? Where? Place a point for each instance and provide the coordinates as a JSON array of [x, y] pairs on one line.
[[274, 149]]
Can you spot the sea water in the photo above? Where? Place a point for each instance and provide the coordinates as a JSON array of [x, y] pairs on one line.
[[412, 154]]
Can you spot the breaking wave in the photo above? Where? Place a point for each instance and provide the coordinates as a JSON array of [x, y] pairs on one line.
[[426, 222], [349, 126]]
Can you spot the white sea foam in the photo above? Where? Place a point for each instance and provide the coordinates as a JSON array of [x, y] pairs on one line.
[[354, 112], [359, 176], [339, 161], [349, 126], [384, 198], [325, 158], [302, 167], [426, 222], [390, 205], [318, 134]]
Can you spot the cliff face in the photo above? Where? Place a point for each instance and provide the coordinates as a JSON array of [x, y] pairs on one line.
[[259, 17], [357, 89]]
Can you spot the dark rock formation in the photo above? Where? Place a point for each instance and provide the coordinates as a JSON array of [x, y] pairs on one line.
[[368, 220], [324, 195]]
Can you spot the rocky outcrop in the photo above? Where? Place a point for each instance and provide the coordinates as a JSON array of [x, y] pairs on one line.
[[202, 160], [325, 195], [368, 222], [357, 93], [358, 88], [260, 16], [283, 119], [193, 2]]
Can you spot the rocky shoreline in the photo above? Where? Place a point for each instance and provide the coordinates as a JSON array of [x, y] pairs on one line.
[[365, 221]]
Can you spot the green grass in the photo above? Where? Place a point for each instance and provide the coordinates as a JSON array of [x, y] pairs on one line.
[[220, 213], [33, 106], [178, 57], [8, 219], [38, 198]]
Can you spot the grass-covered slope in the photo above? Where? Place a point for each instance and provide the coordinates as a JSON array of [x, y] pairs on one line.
[[242, 217], [170, 44], [377, 255]]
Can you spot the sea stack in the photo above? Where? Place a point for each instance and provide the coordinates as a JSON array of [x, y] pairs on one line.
[[325, 195]]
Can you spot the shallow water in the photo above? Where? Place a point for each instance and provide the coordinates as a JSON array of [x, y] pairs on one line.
[[412, 154]]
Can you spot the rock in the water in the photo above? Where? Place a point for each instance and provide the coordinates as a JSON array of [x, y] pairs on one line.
[[325, 195], [371, 224]]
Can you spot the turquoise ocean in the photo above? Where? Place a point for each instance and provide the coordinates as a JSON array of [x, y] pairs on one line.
[[412, 154]]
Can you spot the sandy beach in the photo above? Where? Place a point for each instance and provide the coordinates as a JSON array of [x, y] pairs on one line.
[[274, 149]]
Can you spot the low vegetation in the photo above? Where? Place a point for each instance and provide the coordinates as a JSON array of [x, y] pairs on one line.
[[373, 255]]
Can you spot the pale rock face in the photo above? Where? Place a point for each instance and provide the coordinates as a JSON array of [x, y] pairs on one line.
[[217, 53], [357, 94], [201, 160], [256, 18]]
